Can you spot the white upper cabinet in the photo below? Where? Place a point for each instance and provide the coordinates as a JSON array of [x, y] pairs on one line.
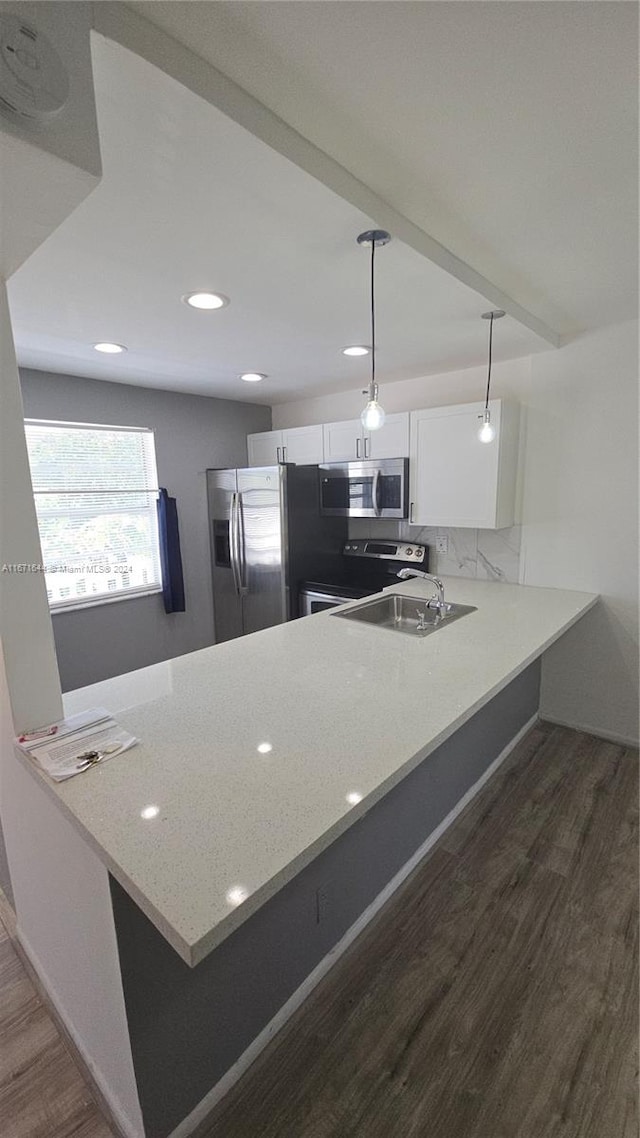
[[302, 445], [347, 441], [265, 448], [343, 442], [456, 480], [392, 440]]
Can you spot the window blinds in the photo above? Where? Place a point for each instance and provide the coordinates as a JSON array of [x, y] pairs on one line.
[[95, 491]]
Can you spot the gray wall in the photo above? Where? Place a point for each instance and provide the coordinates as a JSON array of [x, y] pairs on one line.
[[189, 1025], [192, 432]]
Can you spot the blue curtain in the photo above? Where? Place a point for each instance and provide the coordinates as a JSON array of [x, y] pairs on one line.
[[170, 556]]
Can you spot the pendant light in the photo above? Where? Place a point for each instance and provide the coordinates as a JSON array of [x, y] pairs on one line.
[[487, 431], [372, 418]]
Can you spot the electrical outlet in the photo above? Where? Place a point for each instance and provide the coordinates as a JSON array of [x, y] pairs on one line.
[[442, 543], [322, 904]]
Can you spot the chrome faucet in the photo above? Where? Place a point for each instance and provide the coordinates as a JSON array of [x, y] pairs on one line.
[[436, 602]]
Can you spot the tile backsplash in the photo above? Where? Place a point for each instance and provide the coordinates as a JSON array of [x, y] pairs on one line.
[[489, 555]]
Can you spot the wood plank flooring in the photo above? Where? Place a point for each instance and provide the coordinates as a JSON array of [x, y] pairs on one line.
[[494, 997], [42, 1093]]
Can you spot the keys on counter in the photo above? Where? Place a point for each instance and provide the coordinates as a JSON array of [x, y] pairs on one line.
[[76, 744]]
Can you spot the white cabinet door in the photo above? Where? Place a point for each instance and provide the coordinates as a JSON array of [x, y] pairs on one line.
[[348, 441], [343, 442], [265, 448], [456, 480], [303, 445], [392, 440]]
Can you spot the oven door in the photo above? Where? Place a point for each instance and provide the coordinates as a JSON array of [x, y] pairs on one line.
[[311, 602], [366, 489]]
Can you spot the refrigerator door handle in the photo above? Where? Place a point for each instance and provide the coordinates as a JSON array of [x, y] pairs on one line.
[[242, 552], [233, 543]]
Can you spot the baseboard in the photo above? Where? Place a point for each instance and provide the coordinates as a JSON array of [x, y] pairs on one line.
[[103, 1094], [609, 736], [199, 1115]]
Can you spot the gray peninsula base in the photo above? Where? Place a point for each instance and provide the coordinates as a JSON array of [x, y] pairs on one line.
[[188, 1026]]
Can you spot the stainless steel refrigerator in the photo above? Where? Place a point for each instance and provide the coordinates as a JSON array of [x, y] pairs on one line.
[[267, 536]]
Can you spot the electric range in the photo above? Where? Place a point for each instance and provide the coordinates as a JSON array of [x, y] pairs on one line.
[[368, 566]]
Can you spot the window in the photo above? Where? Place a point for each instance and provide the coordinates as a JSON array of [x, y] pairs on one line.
[[95, 491]]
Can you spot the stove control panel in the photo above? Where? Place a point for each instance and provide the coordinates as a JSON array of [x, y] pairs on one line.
[[386, 550]]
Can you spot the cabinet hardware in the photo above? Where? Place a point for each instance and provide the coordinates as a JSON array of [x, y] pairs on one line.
[[357, 448]]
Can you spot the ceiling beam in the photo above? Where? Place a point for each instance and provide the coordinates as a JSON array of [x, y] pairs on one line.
[[116, 21]]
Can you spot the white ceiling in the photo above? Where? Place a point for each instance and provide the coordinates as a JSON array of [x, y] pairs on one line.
[[470, 126], [189, 200], [507, 130]]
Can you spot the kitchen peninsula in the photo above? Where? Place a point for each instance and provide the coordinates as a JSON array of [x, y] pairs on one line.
[[283, 784]]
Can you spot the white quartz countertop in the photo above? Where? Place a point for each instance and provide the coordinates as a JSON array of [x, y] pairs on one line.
[[257, 753]]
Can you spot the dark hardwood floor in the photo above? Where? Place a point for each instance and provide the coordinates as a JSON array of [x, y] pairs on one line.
[[495, 996]]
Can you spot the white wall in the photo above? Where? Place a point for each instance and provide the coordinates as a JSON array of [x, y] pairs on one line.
[[26, 634], [578, 504], [60, 890], [29, 684], [468, 386], [581, 522], [65, 924]]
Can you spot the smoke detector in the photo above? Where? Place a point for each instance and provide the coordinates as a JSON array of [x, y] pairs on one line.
[[33, 80]]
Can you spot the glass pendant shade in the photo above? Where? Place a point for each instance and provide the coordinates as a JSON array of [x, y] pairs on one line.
[[487, 432], [373, 416]]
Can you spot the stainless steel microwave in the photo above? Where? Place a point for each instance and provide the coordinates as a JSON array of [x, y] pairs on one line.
[[368, 489]]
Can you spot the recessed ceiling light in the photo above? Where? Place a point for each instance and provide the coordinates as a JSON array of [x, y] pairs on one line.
[[150, 812], [356, 350], [206, 300], [252, 376], [109, 349], [264, 748]]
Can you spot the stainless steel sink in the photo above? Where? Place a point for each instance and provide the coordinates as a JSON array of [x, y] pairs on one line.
[[400, 613]]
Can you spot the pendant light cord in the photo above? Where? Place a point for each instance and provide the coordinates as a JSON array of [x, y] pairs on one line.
[[486, 402], [373, 320]]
